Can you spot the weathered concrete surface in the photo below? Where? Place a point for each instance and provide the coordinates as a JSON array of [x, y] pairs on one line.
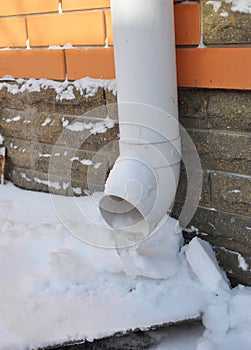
[[51, 128], [224, 192], [205, 199], [78, 106], [37, 181], [222, 229], [215, 109], [229, 260], [193, 106], [219, 123], [19, 153], [223, 25], [111, 103], [230, 110], [231, 193], [223, 151], [46, 101], [135, 340]]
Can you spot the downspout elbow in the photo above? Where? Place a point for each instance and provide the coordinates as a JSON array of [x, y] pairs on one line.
[[141, 187]]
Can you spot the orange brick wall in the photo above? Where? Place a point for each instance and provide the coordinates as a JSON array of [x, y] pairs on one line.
[[29, 27]]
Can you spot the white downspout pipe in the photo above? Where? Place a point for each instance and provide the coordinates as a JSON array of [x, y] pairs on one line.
[[141, 187]]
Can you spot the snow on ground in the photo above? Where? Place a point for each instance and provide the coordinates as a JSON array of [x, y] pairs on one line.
[[56, 288]]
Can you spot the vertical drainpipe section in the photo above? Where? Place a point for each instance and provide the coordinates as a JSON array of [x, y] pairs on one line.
[[141, 187]]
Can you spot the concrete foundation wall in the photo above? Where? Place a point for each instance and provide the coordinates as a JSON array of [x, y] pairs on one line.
[[38, 128], [219, 122]]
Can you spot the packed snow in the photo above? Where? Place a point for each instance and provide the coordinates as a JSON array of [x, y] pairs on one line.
[[216, 5], [240, 5], [224, 14], [15, 119], [64, 89], [237, 5], [95, 128], [57, 288]]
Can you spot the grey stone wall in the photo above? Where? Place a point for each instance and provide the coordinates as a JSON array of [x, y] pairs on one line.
[[76, 137], [224, 25], [72, 140], [219, 123]]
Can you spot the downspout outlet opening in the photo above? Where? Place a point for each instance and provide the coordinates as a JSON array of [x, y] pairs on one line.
[[120, 214]]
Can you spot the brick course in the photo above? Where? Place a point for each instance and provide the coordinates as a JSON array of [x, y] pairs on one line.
[[17, 7], [13, 32], [86, 28]]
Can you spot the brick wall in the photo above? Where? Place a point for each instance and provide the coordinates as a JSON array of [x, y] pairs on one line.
[[86, 24], [213, 66], [40, 24]]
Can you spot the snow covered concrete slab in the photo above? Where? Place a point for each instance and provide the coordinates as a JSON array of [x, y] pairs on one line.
[[56, 289]]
